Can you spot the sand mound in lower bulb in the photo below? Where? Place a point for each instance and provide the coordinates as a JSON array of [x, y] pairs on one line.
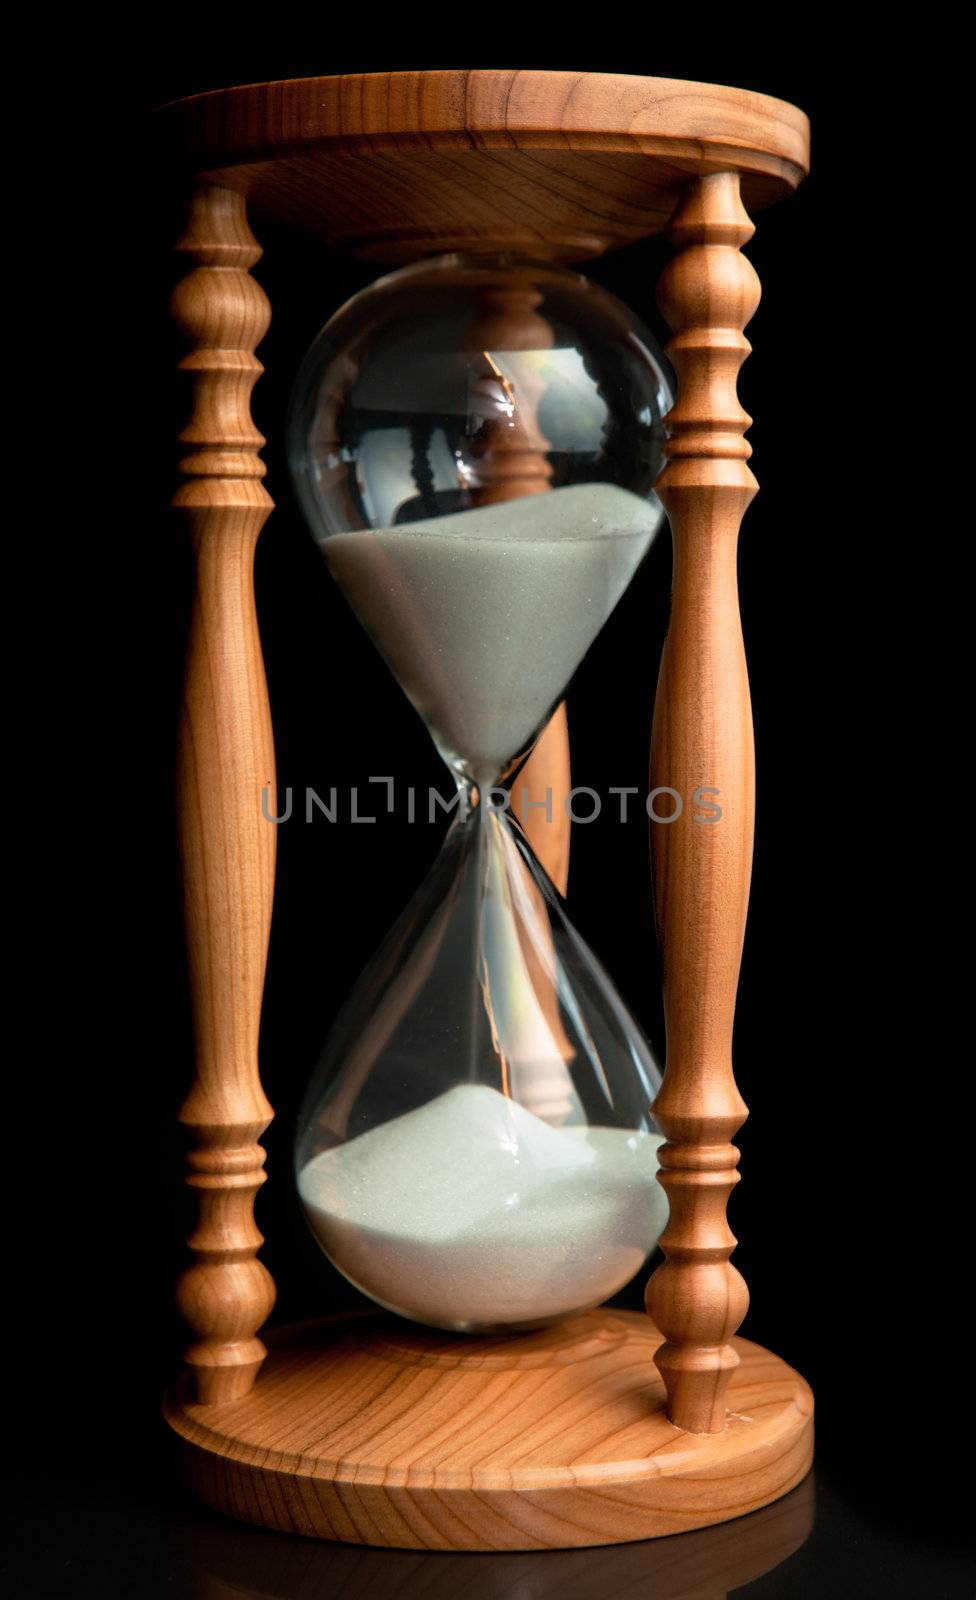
[[471, 1213]]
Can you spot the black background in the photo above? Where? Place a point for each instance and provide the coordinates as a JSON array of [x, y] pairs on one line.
[[832, 1208]]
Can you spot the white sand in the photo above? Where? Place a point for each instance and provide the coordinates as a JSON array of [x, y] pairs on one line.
[[484, 615], [472, 1213]]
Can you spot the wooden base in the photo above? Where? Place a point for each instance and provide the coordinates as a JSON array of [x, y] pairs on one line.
[[370, 1431], [234, 1562]]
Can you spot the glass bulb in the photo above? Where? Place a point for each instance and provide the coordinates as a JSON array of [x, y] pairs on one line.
[[475, 442]]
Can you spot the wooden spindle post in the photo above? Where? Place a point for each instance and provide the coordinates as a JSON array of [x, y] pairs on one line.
[[226, 758], [513, 462], [702, 736], [546, 775]]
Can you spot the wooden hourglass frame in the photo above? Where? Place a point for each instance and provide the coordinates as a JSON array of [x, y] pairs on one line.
[[613, 1425]]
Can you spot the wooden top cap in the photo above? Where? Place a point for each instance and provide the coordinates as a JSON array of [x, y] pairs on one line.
[[396, 165]]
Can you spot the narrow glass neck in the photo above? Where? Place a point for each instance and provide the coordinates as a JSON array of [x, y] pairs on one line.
[[478, 787], [476, 793]]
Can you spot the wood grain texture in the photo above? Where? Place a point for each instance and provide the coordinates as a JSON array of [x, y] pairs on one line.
[[370, 1431], [226, 757], [706, 1564], [702, 736], [563, 165]]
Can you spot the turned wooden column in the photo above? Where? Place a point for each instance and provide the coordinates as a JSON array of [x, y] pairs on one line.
[[545, 774], [702, 736], [226, 757], [512, 456]]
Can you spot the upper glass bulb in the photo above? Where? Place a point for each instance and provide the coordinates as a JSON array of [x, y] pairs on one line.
[[512, 389]]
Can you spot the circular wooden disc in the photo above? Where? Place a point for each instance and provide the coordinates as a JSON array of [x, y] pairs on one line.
[[237, 1563], [370, 1431], [397, 165]]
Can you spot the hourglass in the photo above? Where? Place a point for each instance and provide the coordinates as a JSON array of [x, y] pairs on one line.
[[475, 441], [484, 445]]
